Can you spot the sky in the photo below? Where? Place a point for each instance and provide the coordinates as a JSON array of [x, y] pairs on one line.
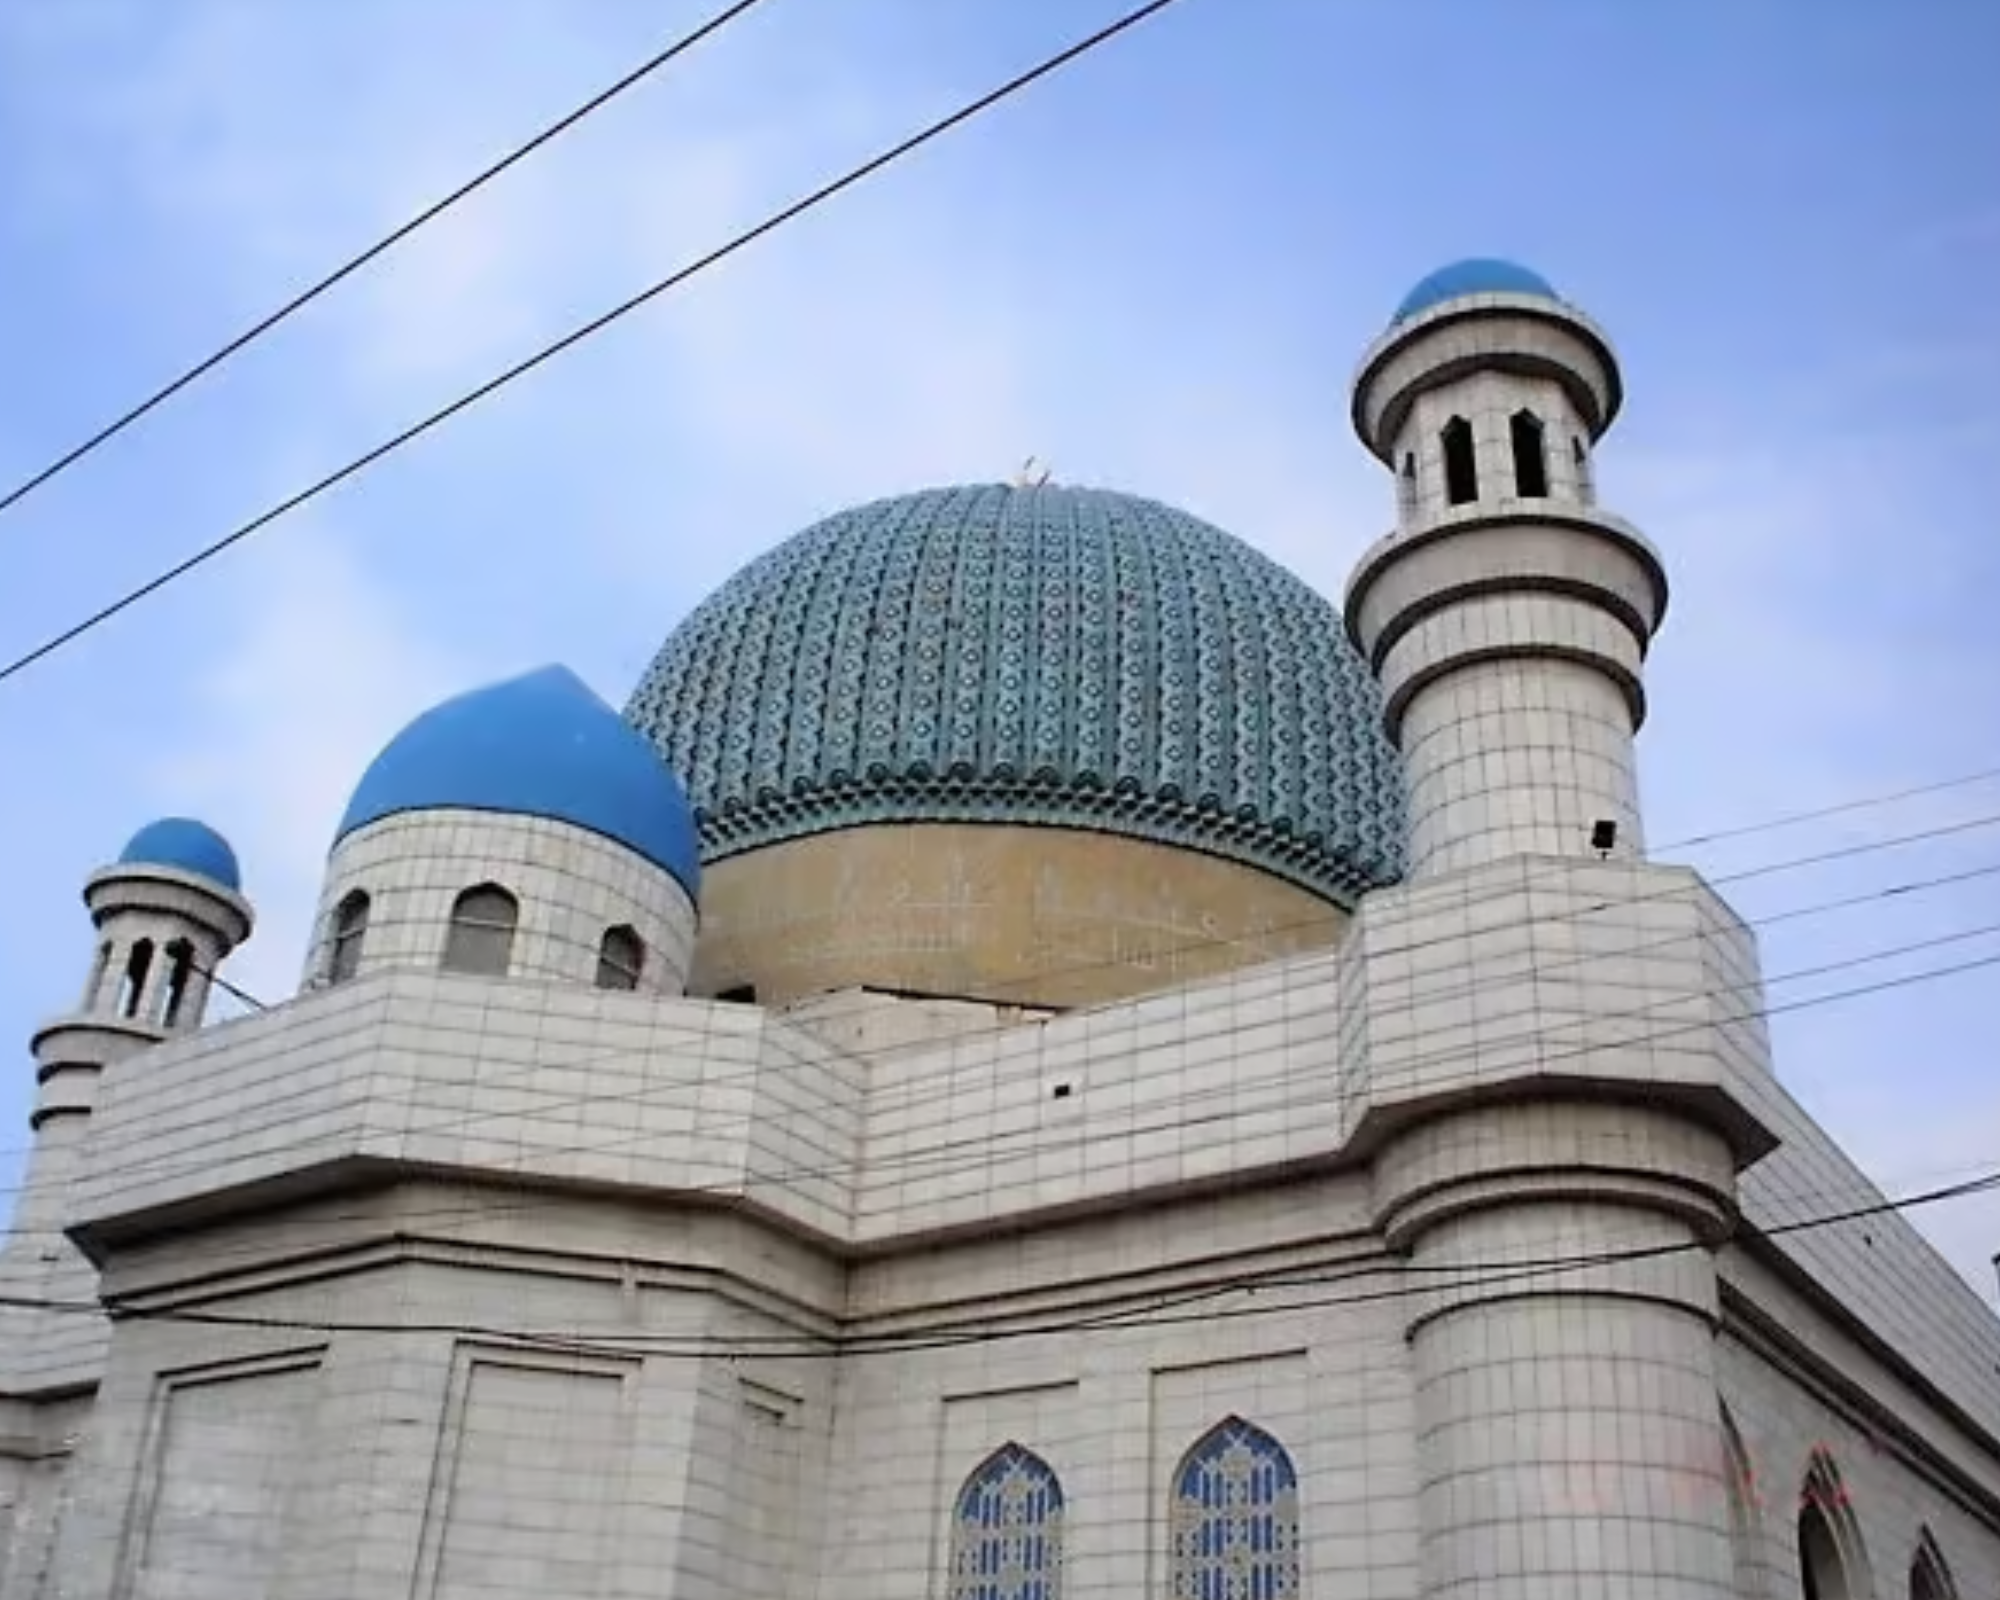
[[1154, 272]]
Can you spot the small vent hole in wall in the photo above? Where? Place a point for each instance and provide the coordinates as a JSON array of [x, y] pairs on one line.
[[1061, 1091]]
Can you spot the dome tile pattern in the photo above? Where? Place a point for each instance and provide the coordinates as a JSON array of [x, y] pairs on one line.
[[1040, 654]]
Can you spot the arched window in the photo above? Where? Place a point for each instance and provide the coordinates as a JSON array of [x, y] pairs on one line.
[[137, 965], [1739, 1479], [350, 927], [1006, 1530], [1406, 484], [1234, 1520], [180, 972], [621, 957], [481, 937], [94, 995], [1832, 1563], [1580, 458], [1930, 1578], [1531, 457], [1461, 471]]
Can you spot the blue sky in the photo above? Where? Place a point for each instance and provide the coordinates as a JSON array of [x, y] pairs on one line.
[[1155, 272]]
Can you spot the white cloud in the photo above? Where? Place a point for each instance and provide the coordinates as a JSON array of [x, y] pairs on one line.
[[897, 341], [323, 669]]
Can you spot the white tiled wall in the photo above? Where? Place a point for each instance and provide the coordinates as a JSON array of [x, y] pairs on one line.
[[572, 885]]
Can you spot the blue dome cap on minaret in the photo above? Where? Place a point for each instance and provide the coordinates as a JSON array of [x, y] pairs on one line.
[[184, 845], [1475, 275], [540, 745]]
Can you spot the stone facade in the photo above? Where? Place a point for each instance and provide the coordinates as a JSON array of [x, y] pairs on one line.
[[1457, 1254]]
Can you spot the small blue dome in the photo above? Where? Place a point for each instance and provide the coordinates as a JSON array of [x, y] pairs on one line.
[[186, 846], [1478, 275], [541, 745]]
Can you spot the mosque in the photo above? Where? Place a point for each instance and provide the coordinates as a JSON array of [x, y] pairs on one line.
[[1039, 1058]]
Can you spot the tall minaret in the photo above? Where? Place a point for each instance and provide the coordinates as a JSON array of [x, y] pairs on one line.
[[1507, 617], [1556, 1179], [167, 913]]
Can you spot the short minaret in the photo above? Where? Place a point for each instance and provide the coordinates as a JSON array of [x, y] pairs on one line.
[[1507, 616], [168, 913]]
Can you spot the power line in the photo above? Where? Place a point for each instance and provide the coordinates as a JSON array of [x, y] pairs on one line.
[[991, 1149], [1434, 1277], [586, 330], [354, 264], [551, 1100]]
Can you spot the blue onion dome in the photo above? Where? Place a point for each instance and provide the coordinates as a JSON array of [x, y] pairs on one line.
[[182, 844], [1031, 654], [1476, 275], [540, 745]]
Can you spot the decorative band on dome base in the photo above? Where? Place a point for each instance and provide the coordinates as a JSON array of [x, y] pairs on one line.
[[918, 797]]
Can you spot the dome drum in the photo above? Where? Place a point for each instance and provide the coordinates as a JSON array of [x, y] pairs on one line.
[[408, 875]]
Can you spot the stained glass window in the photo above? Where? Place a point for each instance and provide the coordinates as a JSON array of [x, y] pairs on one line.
[[1234, 1522], [1006, 1530]]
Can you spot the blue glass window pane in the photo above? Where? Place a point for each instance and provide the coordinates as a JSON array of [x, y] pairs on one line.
[[1006, 1533], [1234, 1518]]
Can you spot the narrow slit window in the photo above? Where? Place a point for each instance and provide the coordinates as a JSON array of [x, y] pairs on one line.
[[1406, 484], [1531, 459], [1461, 469]]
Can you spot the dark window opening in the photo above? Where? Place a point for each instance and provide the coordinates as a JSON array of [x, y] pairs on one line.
[[133, 989], [350, 927], [1580, 454], [1531, 460], [621, 957], [480, 940], [1407, 484], [179, 976], [1461, 471], [95, 993], [743, 994]]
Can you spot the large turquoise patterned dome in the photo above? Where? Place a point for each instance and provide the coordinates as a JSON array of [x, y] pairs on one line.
[[1041, 654]]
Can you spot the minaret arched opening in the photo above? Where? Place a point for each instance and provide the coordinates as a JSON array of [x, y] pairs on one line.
[[480, 940], [93, 996], [138, 966], [1586, 489], [180, 974], [1406, 484], [1531, 457], [1461, 466]]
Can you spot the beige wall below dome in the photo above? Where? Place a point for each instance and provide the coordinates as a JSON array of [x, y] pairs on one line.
[[1016, 914]]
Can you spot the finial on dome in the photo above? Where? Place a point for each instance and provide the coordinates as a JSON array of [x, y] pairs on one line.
[[1033, 474]]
